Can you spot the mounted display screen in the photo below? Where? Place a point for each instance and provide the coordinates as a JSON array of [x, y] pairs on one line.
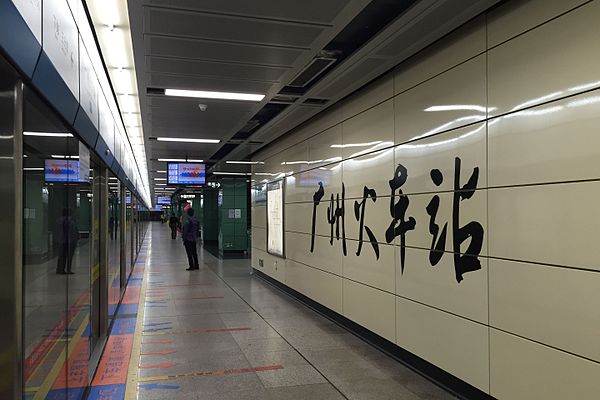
[[186, 174], [275, 218], [163, 200], [61, 171]]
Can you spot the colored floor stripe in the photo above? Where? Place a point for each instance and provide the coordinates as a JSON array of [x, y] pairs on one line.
[[211, 373], [150, 333]]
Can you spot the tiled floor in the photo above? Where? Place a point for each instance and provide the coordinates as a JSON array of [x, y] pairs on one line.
[[221, 333]]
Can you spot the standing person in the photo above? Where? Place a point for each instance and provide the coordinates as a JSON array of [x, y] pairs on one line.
[[189, 234], [67, 236], [111, 227], [173, 224]]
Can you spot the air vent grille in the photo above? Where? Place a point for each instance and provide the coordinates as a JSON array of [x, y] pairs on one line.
[[312, 71]]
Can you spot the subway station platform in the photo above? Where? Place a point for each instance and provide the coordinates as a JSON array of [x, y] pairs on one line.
[[223, 333]]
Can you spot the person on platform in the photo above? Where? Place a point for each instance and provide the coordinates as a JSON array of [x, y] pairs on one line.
[[67, 236], [111, 227], [173, 224], [189, 234]]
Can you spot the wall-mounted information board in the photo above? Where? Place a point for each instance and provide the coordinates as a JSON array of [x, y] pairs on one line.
[[275, 218]]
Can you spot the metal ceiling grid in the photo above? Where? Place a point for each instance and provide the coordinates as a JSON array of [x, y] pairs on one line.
[[234, 45]]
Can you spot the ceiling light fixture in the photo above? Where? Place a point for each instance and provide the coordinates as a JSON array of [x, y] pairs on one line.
[[230, 173], [205, 94], [61, 156], [187, 140], [178, 160], [160, 179], [244, 162], [47, 134], [161, 172]]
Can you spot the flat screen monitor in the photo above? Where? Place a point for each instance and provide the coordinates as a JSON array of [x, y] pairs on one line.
[[61, 170], [163, 200], [186, 174]]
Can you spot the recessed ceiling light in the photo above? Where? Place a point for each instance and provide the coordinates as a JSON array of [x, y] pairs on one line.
[[205, 94], [178, 160], [47, 134], [187, 140], [245, 162]]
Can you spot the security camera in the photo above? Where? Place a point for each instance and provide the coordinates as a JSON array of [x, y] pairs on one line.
[[202, 107]]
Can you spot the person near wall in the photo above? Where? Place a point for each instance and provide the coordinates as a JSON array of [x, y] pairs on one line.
[[173, 224], [67, 235], [189, 234], [111, 227]]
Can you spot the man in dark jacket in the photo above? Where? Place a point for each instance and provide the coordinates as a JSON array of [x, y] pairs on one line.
[[189, 235], [67, 235], [173, 224]]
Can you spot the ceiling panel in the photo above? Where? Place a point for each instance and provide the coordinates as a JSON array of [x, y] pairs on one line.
[[296, 10], [208, 50], [182, 81], [176, 117], [223, 28], [212, 69]]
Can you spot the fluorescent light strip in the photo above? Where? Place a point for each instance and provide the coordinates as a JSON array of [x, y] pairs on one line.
[[161, 172], [187, 140], [245, 162], [204, 94], [61, 156], [230, 173], [160, 184], [160, 179], [33, 169], [178, 160], [47, 134]]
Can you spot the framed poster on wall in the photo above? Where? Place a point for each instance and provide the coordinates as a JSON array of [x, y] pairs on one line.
[[275, 226]]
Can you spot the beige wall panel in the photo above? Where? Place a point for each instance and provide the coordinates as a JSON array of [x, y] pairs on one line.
[[454, 344], [291, 160], [525, 370], [259, 217], [377, 217], [451, 100], [440, 151], [259, 238], [550, 143], [298, 218], [324, 148], [369, 270], [272, 266], [325, 256], [455, 48], [473, 209], [302, 186], [373, 170], [369, 131], [325, 120], [320, 286], [562, 312], [374, 93], [529, 69], [258, 255], [437, 286], [371, 308], [516, 17], [554, 224]]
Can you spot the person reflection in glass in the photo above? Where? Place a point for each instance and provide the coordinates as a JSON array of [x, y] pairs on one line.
[[67, 235]]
